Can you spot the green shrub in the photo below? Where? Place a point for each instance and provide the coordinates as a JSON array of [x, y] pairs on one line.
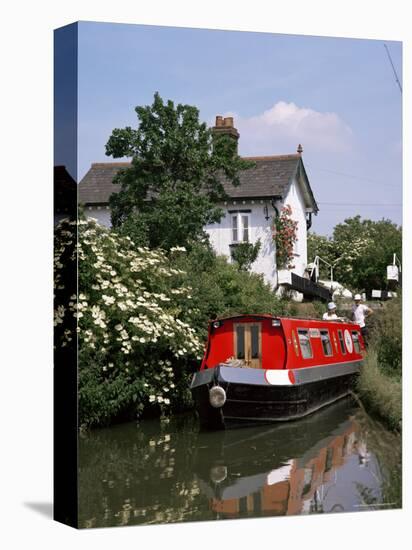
[[320, 308], [245, 254], [220, 289], [386, 337], [134, 331]]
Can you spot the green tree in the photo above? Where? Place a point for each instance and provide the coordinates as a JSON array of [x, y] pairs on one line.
[[221, 289], [171, 190], [360, 249], [365, 248], [319, 245]]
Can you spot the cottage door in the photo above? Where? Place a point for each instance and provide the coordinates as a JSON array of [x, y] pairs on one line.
[[248, 344]]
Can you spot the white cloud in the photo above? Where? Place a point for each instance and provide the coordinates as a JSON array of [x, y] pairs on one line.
[[282, 127]]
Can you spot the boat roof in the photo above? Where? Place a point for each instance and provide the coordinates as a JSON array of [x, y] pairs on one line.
[[240, 315], [270, 316]]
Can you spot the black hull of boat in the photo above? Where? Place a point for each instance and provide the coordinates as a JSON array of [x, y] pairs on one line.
[[254, 403]]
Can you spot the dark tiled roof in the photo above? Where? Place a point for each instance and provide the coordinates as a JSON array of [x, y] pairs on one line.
[[269, 177], [97, 185]]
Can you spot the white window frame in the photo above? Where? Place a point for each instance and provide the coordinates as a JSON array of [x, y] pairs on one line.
[[239, 228], [323, 333], [306, 345], [356, 342], [341, 342]]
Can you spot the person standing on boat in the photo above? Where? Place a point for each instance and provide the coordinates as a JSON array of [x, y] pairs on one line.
[[359, 313], [330, 315]]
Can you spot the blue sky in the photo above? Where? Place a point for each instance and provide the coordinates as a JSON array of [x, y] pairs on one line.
[[336, 96]]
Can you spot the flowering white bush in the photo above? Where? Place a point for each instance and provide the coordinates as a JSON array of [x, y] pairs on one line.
[[350, 253], [133, 323], [360, 251]]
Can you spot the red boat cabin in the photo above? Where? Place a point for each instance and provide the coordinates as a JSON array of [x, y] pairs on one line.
[[267, 342]]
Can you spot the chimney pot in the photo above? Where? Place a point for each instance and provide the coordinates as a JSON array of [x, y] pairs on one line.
[[224, 126]]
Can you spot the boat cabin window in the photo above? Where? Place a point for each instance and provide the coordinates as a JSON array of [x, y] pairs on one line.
[[326, 345], [307, 479], [356, 343], [248, 344], [329, 459], [341, 342], [254, 336], [240, 338], [304, 342]]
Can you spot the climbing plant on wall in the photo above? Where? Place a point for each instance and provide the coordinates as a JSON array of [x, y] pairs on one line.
[[284, 233]]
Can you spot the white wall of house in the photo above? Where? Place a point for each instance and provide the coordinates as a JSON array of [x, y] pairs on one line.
[[100, 213], [221, 236], [294, 198]]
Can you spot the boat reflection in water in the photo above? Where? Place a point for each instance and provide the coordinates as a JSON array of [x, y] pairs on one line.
[[165, 472], [291, 469]]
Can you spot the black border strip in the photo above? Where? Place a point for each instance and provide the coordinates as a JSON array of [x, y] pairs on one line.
[[65, 403]]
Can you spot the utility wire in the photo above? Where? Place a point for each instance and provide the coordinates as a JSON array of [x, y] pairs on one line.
[[393, 67], [359, 204], [361, 178]]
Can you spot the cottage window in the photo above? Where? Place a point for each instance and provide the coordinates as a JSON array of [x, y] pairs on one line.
[[326, 345], [234, 229], [240, 228], [356, 343], [244, 223], [304, 342]]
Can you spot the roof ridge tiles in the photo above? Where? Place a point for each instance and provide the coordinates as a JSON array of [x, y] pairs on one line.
[[267, 157], [274, 157], [124, 163]]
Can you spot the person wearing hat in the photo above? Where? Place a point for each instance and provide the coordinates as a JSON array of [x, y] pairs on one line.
[[359, 313], [330, 315]]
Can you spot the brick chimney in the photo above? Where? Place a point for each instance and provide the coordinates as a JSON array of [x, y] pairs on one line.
[[225, 126]]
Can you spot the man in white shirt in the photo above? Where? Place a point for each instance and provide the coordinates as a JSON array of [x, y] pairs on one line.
[[330, 315], [359, 313]]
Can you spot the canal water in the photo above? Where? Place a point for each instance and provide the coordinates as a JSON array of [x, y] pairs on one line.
[[336, 460]]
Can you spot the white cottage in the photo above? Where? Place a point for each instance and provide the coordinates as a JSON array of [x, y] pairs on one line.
[[274, 182]]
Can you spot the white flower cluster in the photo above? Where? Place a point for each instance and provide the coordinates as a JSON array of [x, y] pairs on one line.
[[351, 251], [132, 303], [59, 315], [162, 383]]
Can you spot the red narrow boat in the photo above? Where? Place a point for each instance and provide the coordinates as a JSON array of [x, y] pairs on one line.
[[260, 368]]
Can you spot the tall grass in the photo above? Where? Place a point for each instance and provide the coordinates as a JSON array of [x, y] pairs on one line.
[[380, 392], [386, 337], [380, 382]]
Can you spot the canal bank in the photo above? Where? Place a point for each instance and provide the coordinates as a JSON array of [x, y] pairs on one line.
[[380, 383], [380, 393]]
